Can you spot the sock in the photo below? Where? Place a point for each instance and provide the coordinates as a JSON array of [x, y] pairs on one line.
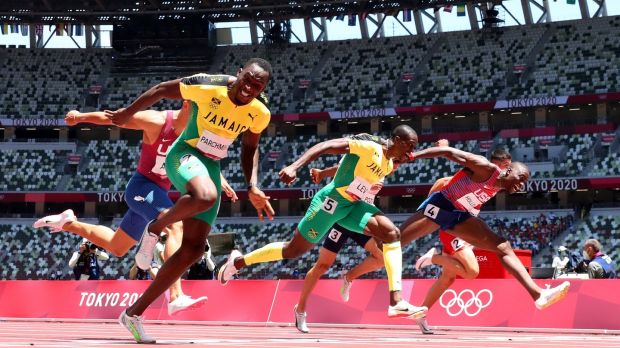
[[268, 253], [393, 259]]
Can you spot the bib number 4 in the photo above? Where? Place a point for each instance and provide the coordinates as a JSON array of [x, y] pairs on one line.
[[431, 211]]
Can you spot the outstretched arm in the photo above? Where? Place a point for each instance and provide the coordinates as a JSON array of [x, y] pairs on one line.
[[164, 90], [333, 147], [141, 120], [476, 163]]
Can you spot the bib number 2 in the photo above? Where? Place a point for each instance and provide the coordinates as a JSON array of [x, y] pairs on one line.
[[329, 205], [431, 211]]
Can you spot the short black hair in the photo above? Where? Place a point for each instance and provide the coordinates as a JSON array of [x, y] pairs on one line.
[[403, 131], [500, 154], [263, 64]]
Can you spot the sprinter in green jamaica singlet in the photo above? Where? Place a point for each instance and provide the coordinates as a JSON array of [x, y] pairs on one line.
[[222, 108]]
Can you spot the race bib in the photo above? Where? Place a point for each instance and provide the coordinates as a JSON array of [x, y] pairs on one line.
[[160, 166], [359, 189], [213, 145], [471, 202], [370, 199], [334, 235], [329, 205], [431, 211], [457, 243]]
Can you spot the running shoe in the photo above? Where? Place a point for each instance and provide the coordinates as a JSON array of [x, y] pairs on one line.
[[184, 303], [144, 255], [55, 222], [551, 295], [424, 328], [345, 288], [405, 309], [134, 325], [228, 270], [425, 260], [300, 321]]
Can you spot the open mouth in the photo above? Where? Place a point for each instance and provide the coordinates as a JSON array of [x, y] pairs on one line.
[[245, 94]]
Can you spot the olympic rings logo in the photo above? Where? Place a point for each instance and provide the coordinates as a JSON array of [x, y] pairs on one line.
[[466, 302]]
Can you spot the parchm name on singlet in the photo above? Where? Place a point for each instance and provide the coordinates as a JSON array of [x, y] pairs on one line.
[[213, 144], [222, 122]]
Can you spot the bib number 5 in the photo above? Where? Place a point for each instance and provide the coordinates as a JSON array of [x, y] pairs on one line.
[[329, 205]]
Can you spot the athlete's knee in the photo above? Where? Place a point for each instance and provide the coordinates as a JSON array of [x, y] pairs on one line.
[[392, 235], [291, 251], [204, 199], [471, 273], [321, 267], [504, 248]]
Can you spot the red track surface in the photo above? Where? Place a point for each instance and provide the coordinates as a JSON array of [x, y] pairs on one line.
[[24, 333]]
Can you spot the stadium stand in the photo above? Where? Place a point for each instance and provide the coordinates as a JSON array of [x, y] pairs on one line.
[[108, 164], [31, 170], [455, 67], [47, 83], [108, 167], [573, 62]]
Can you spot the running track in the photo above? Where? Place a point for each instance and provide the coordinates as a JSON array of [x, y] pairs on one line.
[[29, 333]]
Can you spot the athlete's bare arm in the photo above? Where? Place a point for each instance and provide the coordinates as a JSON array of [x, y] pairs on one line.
[[149, 121], [249, 164], [318, 174], [227, 189], [333, 147], [164, 90], [439, 184], [480, 167]]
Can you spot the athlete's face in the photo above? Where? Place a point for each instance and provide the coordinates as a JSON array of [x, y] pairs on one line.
[[516, 177], [251, 81], [403, 147]]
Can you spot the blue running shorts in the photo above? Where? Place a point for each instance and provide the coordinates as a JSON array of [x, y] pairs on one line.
[[146, 200]]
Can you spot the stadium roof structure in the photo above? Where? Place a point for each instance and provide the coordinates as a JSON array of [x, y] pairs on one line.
[[109, 11]]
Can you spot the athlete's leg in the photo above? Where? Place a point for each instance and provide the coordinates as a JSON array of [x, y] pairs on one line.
[[173, 243], [294, 248], [439, 286], [201, 196], [468, 268], [325, 261], [194, 176], [477, 233], [373, 262], [382, 228], [192, 247], [416, 226], [118, 243]]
